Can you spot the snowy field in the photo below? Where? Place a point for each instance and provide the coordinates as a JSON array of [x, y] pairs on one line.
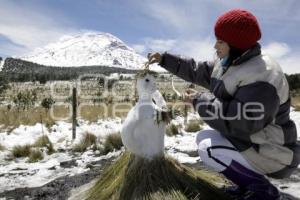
[[18, 173]]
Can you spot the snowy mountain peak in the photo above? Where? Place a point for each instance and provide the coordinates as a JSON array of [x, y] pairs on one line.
[[87, 49]]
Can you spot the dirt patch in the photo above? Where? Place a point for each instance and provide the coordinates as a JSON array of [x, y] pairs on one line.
[[60, 188]]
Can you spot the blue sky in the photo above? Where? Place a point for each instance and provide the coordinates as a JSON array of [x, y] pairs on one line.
[[180, 26]]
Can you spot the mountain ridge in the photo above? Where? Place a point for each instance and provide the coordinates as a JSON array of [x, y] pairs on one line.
[[87, 49]]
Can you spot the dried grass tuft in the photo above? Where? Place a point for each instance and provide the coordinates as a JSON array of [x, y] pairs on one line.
[[132, 177]]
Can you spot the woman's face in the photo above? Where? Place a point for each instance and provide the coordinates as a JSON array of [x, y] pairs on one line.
[[222, 48]]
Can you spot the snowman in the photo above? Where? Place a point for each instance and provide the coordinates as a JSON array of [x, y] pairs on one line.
[[143, 130], [143, 171]]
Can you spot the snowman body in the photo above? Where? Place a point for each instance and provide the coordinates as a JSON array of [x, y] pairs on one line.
[[142, 133]]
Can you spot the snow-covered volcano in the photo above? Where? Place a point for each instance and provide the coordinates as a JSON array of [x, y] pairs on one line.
[[87, 49]]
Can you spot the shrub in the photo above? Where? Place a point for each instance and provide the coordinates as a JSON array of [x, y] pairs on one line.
[[35, 156], [47, 103], [88, 140], [4, 84], [44, 141], [172, 130], [193, 126], [21, 151], [112, 141], [2, 148], [25, 100]]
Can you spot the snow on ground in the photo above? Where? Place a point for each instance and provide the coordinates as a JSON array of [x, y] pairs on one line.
[[296, 117], [61, 132], [180, 146], [291, 185], [18, 173]]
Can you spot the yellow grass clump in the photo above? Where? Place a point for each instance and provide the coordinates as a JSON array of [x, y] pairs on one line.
[[132, 177]]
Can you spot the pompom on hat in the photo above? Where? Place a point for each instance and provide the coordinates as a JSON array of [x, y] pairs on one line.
[[239, 28]]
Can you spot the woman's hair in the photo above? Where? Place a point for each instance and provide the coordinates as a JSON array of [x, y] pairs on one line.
[[234, 53]]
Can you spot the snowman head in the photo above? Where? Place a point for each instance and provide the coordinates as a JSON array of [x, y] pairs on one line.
[[146, 84]]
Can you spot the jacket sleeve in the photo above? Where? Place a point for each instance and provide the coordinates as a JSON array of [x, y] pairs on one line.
[[187, 69], [252, 108]]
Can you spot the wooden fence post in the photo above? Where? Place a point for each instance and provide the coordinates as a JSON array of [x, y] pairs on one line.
[[74, 113]]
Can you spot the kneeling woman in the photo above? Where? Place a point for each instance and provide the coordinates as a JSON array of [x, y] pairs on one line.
[[247, 108]]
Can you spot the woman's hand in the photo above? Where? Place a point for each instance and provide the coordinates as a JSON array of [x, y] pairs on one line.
[[190, 95], [154, 57]]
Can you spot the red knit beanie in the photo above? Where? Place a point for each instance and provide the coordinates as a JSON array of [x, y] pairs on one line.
[[239, 28]]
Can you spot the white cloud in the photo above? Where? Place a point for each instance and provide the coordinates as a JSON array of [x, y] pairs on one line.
[[202, 49], [139, 48], [290, 64], [191, 19], [28, 26], [168, 14], [276, 49], [159, 44], [288, 59], [198, 49], [154, 45], [263, 9], [184, 17]]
